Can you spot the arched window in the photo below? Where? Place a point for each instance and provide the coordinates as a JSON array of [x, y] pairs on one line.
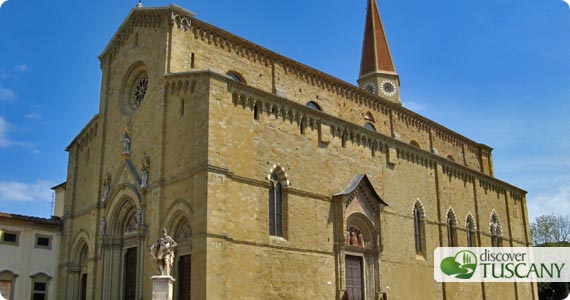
[[419, 229], [7, 283], [236, 76], [256, 112], [415, 144], [314, 105], [451, 228], [369, 117], [80, 278], [369, 125], [470, 226], [450, 157], [275, 206], [496, 230]]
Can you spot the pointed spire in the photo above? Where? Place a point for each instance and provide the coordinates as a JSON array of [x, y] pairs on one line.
[[375, 52]]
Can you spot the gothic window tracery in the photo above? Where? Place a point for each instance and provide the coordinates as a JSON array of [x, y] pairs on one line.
[[275, 205], [451, 228], [496, 230], [139, 90], [419, 228]]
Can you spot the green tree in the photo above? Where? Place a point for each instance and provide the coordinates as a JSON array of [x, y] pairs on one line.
[[550, 229]]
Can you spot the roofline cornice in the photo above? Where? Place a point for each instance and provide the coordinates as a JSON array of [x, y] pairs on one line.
[[341, 87], [449, 167], [93, 120]]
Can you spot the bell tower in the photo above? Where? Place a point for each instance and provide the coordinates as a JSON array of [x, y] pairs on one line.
[[377, 72]]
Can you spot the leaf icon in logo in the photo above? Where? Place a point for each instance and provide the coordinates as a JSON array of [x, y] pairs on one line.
[[462, 265]]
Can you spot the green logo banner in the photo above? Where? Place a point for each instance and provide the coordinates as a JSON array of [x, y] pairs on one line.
[[501, 264]]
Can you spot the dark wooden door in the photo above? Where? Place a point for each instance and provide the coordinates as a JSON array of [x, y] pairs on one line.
[[130, 274], [83, 286], [184, 267], [354, 287]]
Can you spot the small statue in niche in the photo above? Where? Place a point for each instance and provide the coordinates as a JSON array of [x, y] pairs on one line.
[[184, 232], [106, 186], [144, 171], [139, 217], [353, 237], [104, 226], [360, 239], [163, 253], [126, 142]]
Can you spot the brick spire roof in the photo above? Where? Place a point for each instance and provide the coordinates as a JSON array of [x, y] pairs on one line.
[[375, 52]]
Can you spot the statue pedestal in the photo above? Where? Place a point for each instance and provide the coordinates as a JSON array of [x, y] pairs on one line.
[[162, 287]]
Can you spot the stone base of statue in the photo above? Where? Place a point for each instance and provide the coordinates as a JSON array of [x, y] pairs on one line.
[[162, 287]]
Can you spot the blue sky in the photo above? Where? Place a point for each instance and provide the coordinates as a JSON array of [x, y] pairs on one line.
[[496, 71]]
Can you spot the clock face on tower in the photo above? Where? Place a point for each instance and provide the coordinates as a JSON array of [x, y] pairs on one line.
[[370, 87], [388, 88]]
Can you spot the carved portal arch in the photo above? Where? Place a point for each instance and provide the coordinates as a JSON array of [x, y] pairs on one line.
[[123, 219], [79, 269], [178, 223], [358, 235], [124, 247]]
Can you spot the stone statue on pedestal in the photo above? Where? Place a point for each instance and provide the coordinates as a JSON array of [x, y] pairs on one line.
[[163, 253]]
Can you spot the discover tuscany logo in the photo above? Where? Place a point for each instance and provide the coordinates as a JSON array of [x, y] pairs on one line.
[[501, 264], [462, 265]]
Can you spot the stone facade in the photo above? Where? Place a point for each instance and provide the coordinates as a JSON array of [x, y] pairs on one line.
[[199, 152]]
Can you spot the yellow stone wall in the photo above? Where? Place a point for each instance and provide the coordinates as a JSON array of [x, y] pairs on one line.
[[209, 162]]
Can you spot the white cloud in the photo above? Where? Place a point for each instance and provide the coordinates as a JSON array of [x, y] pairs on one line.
[[555, 202], [33, 116], [413, 106], [17, 191], [4, 141], [22, 68], [7, 94]]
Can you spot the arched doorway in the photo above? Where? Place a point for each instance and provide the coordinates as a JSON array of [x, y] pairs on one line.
[[122, 245]]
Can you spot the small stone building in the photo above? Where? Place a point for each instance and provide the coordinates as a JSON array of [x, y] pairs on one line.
[[278, 181]]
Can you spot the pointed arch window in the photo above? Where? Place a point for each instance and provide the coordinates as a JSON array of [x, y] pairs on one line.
[[470, 224], [369, 126], [236, 76], [275, 206], [451, 228], [314, 105], [496, 231], [419, 229]]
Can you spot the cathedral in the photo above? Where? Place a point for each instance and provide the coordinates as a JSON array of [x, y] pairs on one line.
[[276, 180]]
